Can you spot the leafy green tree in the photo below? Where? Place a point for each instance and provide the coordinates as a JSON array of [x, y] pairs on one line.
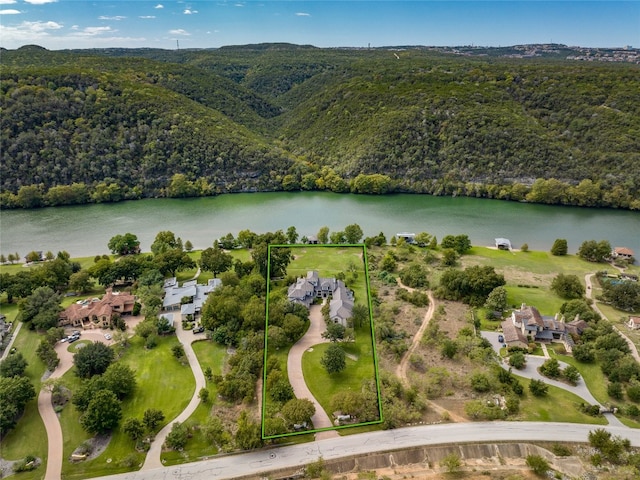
[[623, 296], [151, 418], [338, 237], [538, 388], [292, 235], [538, 464], [15, 393], [449, 257], [593, 251], [550, 368], [298, 411], [126, 244], [120, 379], [177, 437], [164, 241], [567, 286], [480, 382], [80, 282], [615, 391], [103, 413], [572, 374], [41, 308], [133, 428], [334, 332], [203, 395], [460, 243], [414, 276], [449, 348], [497, 299], [188, 246], [388, 263], [353, 233], [334, 360], [171, 261], [246, 238], [559, 247], [248, 435], [323, 235], [13, 365], [47, 354], [517, 360], [93, 359], [215, 260]]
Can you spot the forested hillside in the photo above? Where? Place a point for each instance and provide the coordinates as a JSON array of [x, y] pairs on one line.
[[106, 125]]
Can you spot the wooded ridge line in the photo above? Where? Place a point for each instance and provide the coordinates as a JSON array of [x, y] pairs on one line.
[[108, 125]]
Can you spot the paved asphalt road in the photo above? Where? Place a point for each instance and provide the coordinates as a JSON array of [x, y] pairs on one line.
[[264, 460]]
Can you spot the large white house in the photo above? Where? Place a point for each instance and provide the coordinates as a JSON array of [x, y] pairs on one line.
[[307, 289]]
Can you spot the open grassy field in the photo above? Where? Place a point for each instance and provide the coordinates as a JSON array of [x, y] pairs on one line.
[[162, 383], [557, 406]]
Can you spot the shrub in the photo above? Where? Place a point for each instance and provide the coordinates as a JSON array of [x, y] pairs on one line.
[[538, 464]]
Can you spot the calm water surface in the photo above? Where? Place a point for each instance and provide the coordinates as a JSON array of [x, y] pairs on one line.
[[85, 230]]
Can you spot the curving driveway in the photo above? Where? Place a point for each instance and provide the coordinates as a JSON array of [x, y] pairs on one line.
[[186, 338], [531, 371], [48, 414], [313, 337]]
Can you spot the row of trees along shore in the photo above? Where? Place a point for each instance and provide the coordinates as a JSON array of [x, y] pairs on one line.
[[586, 193]]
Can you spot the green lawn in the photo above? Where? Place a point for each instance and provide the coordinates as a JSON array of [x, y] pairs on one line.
[[324, 386], [592, 375], [163, 383], [29, 437], [547, 302], [211, 355], [557, 406], [532, 262]]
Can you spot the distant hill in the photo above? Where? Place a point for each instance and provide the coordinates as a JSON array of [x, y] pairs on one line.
[[131, 123]]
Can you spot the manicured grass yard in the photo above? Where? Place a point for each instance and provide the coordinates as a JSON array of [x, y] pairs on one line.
[[163, 383], [212, 355], [29, 436], [547, 302], [324, 386], [557, 406]]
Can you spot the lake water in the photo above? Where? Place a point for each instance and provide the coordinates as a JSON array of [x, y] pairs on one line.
[[86, 229]]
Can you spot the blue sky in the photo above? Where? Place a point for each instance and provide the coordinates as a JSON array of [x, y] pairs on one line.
[[60, 24]]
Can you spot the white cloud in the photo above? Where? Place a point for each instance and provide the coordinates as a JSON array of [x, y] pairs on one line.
[[302, 14], [10, 11], [147, 17], [188, 11], [28, 31], [40, 2], [91, 31], [105, 17], [179, 31], [159, 6], [239, 4], [7, 2]]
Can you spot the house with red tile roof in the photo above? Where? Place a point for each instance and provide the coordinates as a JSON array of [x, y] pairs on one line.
[[97, 312]]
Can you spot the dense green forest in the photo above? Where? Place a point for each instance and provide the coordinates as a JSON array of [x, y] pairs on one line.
[[107, 125]]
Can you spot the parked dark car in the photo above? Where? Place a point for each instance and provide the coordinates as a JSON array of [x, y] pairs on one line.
[[501, 338]]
